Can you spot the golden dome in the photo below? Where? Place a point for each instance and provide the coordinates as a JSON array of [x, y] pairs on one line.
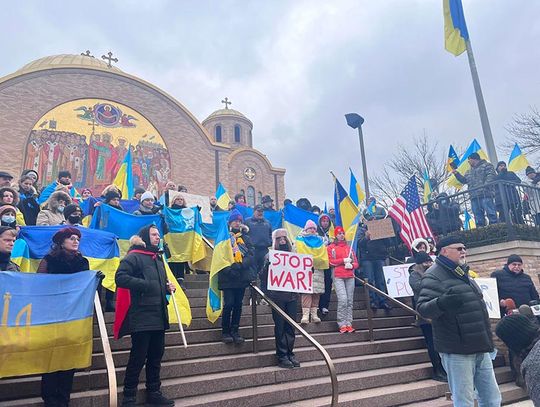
[[66, 61]]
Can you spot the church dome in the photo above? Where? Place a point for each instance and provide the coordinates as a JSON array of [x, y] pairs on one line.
[[66, 61], [227, 114]]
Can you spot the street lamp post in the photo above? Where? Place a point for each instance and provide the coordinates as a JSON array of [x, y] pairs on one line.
[[355, 121]]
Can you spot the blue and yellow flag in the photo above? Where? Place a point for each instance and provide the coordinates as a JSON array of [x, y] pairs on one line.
[[464, 165], [124, 177], [468, 222], [313, 245], [184, 236], [355, 191], [99, 247], [222, 197], [294, 219], [427, 186], [346, 210], [455, 29], [49, 189], [517, 160], [45, 322], [452, 160], [221, 258], [122, 224]]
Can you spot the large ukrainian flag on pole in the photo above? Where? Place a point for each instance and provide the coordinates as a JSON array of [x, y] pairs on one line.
[[517, 160], [45, 322], [222, 257], [222, 197], [464, 165], [184, 236], [455, 28], [355, 191], [346, 210], [124, 176]]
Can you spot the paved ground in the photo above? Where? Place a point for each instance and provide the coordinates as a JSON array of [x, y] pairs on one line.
[[527, 403]]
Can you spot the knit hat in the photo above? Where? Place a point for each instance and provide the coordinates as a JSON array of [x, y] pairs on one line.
[[514, 258], [474, 156], [28, 172], [235, 215], [310, 224], [70, 209], [338, 229], [529, 170], [266, 199], [147, 195], [139, 190], [59, 237], [448, 241], [517, 332], [110, 195], [4, 208], [422, 257]]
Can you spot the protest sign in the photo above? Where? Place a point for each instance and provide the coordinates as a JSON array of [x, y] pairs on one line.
[[196, 200], [290, 272], [491, 295], [397, 280], [380, 228]]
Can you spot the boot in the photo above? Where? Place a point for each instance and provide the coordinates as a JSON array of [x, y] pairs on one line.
[[305, 316], [237, 339], [155, 398], [226, 336], [439, 374], [130, 398], [314, 317]]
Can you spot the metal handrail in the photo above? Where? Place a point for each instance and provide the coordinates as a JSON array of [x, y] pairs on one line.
[[109, 361], [322, 351]]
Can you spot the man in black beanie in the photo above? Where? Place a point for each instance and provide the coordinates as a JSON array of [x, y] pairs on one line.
[[513, 283], [461, 329]]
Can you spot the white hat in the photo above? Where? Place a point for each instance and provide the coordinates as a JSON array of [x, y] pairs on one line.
[[147, 195]]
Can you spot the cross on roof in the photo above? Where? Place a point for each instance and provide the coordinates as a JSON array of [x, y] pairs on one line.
[[109, 59], [226, 102], [87, 54]]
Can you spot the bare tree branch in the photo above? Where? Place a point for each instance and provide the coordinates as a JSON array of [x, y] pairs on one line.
[[525, 130]]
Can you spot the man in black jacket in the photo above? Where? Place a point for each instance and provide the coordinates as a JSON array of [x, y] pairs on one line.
[[513, 283], [508, 193], [461, 329], [142, 272], [260, 234]]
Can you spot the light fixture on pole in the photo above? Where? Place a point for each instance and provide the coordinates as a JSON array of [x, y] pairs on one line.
[[355, 121]]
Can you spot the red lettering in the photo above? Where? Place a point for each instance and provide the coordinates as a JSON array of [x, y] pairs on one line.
[[289, 280], [275, 281], [275, 259], [308, 263], [294, 261], [300, 276]]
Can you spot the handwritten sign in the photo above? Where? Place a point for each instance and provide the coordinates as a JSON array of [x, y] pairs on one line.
[[290, 272], [397, 280], [491, 296], [380, 229], [195, 200]]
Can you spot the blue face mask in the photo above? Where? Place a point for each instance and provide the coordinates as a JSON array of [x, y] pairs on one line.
[[61, 209], [8, 219]]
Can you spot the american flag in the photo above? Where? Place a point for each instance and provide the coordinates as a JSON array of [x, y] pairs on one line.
[[408, 213]]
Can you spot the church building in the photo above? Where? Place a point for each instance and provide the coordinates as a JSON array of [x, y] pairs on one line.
[[82, 113]]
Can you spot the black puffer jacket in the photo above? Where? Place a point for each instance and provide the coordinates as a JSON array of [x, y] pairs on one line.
[[519, 287], [144, 275], [464, 330], [239, 275], [260, 232]]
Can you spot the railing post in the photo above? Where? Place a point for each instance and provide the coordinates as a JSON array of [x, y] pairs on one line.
[[254, 320], [506, 209], [109, 361], [369, 311]]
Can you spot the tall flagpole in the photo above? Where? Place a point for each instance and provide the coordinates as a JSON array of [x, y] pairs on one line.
[[488, 137]]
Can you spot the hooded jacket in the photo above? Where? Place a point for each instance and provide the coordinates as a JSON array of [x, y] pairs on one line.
[[28, 205], [49, 215], [338, 251], [324, 233], [518, 286]]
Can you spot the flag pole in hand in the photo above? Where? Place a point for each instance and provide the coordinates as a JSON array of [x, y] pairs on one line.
[[179, 320]]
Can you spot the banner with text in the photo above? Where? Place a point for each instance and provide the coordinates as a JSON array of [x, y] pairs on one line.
[[290, 272], [491, 296], [397, 280]]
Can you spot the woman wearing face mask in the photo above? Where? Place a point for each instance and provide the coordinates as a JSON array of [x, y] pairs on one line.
[[28, 204], [53, 209], [8, 196], [73, 215], [64, 258], [8, 216]]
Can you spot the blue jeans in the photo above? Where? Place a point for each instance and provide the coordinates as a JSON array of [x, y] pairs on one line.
[[482, 206], [373, 271], [470, 374]]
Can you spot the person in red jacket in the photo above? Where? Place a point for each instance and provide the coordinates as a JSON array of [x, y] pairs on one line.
[[343, 263]]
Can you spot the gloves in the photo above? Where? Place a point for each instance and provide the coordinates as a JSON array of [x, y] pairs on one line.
[[347, 260], [100, 276], [450, 300], [348, 266]]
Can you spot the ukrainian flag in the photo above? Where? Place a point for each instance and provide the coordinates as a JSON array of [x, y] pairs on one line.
[[46, 322], [355, 191], [455, 29], [222, 257], [313, 245], [295, 218], [122, 224], [517, 160], [99, 247], [468, 222], [346, 210], [452, 160], [49, 189], [184, 236], [124, 176], [222, 197], [427, 187], [87, 207], [464, 165]]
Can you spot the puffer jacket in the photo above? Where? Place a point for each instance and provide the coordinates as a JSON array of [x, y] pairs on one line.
[[337, 251], [142, 271], [464, 330], [518, 286], [260, 232], [239, 275], [478, 177], [50, 216]]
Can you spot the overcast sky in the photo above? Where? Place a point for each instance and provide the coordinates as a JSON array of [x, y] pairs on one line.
[[296, 67]]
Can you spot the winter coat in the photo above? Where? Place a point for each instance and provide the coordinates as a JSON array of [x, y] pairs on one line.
[[416, 273], [64, 263], [465, 329], [478, 177], [371, 249], [337, 251], [29, 207], [50, 216], [511, 193], [280, 296], [530, 370], [260, 232], [443, 217], [239, 275], [143, 210], [6, 264], [519, 287], [145, 277]]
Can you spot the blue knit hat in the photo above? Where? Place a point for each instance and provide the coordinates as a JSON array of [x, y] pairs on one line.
[[235, 215]]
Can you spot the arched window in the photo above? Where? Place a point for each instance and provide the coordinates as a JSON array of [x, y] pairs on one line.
[[243, 192], [259, 197], [218, 133], [250, 196], [236, 133]]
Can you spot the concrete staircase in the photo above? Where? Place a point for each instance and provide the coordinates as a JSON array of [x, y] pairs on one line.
[[393, 370]]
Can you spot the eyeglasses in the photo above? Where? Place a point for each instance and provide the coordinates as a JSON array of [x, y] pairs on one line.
[[459, 249]]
